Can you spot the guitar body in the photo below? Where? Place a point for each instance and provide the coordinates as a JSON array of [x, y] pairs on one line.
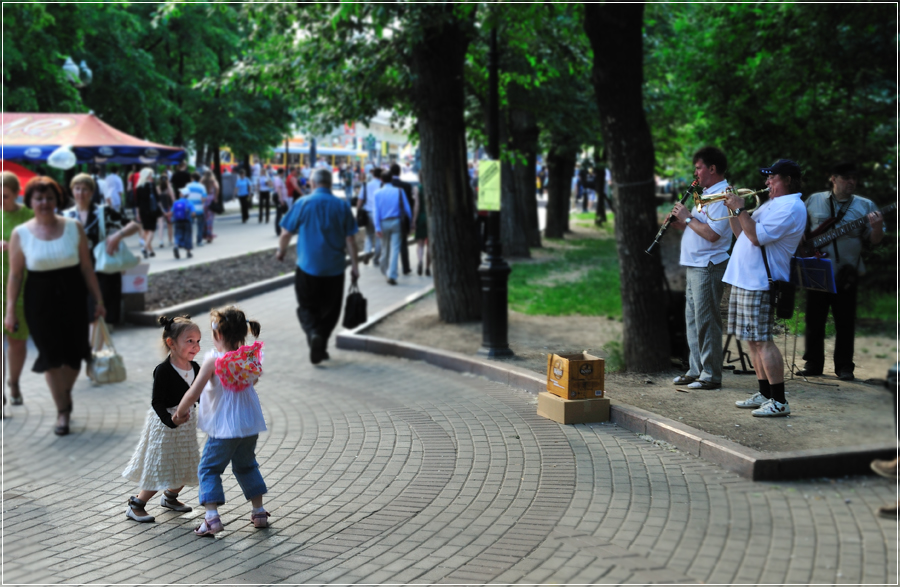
[[821, 236]]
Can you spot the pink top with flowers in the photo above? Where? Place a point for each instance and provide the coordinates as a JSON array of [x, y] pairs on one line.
[[229, 404], [238, 370]]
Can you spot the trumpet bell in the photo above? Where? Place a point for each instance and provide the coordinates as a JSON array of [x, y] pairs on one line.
[[701, 200]]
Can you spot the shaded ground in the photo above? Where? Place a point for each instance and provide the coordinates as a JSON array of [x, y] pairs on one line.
[[189, 283], [826, 412]]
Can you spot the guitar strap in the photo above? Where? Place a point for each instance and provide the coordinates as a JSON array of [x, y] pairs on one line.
[[842, 211]]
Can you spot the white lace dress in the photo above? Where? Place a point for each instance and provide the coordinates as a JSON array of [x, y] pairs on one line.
[[165, 457]]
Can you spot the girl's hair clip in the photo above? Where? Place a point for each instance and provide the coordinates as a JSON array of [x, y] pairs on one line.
[[214, 325]]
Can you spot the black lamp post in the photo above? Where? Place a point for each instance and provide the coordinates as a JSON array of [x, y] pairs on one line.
[[494, 271], [312, 153]]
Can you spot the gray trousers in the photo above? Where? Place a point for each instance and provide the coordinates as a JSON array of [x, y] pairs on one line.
[[703, 320]]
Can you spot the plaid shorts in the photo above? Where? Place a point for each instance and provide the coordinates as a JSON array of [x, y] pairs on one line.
[[750, 315]]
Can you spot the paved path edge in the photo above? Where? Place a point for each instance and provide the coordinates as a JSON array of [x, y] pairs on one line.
[[747, 462]]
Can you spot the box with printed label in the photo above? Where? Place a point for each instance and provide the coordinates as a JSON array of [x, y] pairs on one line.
[[578, 376], [579, 411]]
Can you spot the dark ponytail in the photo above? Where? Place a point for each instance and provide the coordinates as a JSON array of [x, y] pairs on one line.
[[231, 325]]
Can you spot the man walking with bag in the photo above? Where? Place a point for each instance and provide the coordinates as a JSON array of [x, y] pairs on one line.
[[325, 228]]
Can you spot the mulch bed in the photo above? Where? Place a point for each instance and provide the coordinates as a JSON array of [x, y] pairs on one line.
[[196, 281]]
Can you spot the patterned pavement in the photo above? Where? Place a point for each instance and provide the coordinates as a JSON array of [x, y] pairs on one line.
[[383, 470]]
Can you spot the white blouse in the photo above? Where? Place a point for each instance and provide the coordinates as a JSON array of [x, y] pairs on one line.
[[41, 255]]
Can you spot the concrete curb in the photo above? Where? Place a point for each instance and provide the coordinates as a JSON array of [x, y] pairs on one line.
[[729, 455], [205, 304]]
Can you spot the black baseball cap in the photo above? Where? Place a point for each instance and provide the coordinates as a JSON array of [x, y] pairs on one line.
[[782, 167], [844, 168]]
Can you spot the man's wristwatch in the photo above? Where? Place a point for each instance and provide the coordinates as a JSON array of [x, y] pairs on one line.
[[738, 212], [688, 220]]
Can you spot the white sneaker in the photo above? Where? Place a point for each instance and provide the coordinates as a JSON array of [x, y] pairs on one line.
[[755, 401], [772, 409]]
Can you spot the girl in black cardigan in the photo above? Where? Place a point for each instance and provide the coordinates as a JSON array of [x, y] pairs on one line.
[[167, 455]]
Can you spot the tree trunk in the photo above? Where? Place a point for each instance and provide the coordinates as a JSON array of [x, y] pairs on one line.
[[201, 154], [614, 31], [513, 218], [217, 168], [560, 167], [524, 131], [600, 186], [439, 103]]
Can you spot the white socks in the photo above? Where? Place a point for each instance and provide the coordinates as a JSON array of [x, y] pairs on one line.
[[258, 510], [210, 514]]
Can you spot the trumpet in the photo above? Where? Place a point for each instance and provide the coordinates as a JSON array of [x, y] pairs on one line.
[[705, 200]]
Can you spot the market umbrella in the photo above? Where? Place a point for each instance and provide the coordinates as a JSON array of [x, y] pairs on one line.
[[23, 174], [33, 137]]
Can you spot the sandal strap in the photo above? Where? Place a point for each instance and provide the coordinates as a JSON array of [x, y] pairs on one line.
[[134, 502], [170, 495]]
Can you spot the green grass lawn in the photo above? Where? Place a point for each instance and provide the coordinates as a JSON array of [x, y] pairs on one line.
[[582, 279]]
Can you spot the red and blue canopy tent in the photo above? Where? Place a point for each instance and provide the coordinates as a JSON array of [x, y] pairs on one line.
[[31, 138]]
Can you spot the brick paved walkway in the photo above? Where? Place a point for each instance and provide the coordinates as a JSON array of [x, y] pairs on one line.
[[386, 470]]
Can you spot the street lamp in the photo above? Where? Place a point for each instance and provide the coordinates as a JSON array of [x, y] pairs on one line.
[[494, 271], [79, 76]]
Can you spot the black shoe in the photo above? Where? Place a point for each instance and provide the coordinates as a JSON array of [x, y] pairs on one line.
[[407, 272], [809, 373], [391, 281], [316, 349], [419, 268], [325, 355], [152, 253], [845, 376], [190, 256], [144, 252], [428, 272], [175, 250]]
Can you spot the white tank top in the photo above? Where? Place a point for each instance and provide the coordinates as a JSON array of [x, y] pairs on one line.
[[41, 255]]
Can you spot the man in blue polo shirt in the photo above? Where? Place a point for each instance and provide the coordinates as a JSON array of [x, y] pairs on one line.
[[324, 226]]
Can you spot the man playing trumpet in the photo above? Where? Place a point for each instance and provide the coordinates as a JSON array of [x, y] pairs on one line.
[[778, 226], [704, 253]]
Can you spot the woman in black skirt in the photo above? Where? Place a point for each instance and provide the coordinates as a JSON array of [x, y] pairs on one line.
[[115, 228], [60, 274]]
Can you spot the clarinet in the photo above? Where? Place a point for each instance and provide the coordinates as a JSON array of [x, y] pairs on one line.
[[662, 229]]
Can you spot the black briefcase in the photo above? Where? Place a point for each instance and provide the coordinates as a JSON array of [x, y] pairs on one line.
[[355, 308]]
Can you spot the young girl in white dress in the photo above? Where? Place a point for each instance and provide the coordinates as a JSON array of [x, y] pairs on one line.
[[167, 455], [231, 416]]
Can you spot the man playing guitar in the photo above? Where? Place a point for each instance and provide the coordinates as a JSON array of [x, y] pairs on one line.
[[834, 209]]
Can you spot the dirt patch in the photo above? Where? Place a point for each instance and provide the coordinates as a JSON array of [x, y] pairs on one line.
[[189, 283], [827, 413], [196, 281]]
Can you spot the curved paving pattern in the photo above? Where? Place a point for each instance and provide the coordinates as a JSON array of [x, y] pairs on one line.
[[386, 470]]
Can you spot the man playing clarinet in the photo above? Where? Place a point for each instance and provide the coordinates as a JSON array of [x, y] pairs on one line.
[[704, 253]]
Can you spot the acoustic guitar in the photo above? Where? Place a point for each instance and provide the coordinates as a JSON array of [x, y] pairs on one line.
[[812, 245]]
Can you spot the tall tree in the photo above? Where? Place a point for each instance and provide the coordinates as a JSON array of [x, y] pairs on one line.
[[345, 62], [615, 31]]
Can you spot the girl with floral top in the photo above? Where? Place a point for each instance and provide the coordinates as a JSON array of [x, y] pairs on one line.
[[231, 416]]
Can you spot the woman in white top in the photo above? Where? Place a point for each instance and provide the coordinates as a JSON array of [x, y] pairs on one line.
[[60, 274]]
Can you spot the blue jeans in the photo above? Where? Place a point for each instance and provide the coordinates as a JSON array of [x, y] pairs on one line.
[[390, 246], [183, 234], [241, 453], [201, 229]]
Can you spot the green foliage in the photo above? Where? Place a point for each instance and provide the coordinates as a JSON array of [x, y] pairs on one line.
[[810, 82], [156, 69], [583, 279]]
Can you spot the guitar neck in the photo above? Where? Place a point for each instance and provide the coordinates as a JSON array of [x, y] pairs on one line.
[[845, 229]]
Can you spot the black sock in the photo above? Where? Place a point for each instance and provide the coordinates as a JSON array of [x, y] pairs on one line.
[[764, 388], [778, 392]]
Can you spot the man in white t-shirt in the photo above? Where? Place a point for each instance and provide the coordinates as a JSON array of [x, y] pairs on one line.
[[704, 253], [114, 189], [778, 226]]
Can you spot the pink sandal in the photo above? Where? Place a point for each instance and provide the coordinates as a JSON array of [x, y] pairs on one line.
[[209, 527], [260, 520]]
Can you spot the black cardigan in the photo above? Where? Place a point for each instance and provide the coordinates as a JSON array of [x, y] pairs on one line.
[[168, 389]]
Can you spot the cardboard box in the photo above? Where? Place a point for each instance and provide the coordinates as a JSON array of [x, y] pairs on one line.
[[579, 411], [578, 376]]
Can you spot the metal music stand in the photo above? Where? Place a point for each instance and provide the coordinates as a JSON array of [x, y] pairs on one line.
[[743, 357], [810, 273]]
